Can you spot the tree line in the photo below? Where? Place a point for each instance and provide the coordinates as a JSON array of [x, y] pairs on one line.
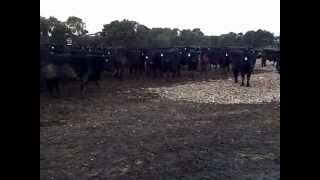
[[128, 33]]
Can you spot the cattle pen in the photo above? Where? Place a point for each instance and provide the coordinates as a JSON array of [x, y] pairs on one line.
[[155, 128]]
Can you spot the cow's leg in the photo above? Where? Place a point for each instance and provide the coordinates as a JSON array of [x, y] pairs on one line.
[[248, 79], [117, 74], [193, 75], [121, 71], [114, 74], [56, 85], [49, 85], [179, 71], [84, 87], [242, 79], [147, 70], [97, 84], [154, 73], [235, 73], [206, 73]]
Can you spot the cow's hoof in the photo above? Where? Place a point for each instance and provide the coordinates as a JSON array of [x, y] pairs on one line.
[[248, 85], [242, 84]]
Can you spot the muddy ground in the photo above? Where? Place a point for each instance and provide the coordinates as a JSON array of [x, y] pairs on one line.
[[127, 130]]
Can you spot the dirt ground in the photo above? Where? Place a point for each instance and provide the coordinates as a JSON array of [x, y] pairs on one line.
[[163, 129]]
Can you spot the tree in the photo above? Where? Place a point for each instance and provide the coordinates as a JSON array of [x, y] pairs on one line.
[[53, 22], [133, 34], [120, 33], [263, 38], [229, 39], [249, 38], [193, 37], [161, 40], [76, 25], [141, 36], [259, 38], [44, 26], [277, 41], [60, 33]]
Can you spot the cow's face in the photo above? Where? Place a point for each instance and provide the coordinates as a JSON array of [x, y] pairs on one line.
[[148, 60]]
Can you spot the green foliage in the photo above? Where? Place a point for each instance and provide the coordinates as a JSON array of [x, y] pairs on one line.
[[76, 25], [133, 34], [120, 33], [44, 26], [60, 33], [259, 38]]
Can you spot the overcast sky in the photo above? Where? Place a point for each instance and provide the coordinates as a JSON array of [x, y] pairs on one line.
[[213, 17]]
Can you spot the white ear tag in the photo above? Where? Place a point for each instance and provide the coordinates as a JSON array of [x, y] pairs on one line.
[[161, 55], [246, 58], [189, 54], [226, 54], [147, 57], [107, 60]]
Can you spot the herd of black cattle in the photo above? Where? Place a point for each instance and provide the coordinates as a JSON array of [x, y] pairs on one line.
[[87, 64]]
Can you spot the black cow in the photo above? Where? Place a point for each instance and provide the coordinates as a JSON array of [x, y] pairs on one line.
[[243, 62], [278, 65], [148, 61], [214, 56], [170, 62], [204, 63], [272, 55], [184, 57], [154, 61], [193, 59], [44, 55], [120, 62], [224, 60], [135, 61], [61, 66]]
